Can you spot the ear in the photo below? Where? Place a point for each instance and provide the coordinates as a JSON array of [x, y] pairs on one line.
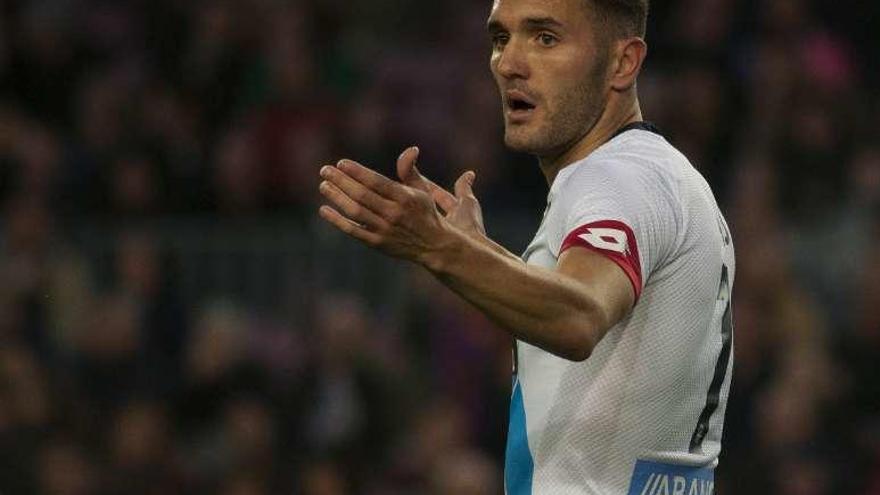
[[629, 55]]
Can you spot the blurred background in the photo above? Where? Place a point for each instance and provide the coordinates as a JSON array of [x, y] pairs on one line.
[[174, 319]]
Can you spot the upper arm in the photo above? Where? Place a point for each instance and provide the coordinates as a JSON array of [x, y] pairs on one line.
[[602, 281], [616, 225]]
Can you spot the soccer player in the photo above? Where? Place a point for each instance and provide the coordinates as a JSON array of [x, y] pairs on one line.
[[620, 305]]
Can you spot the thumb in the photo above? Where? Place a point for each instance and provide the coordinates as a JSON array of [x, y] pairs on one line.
[[406, 167], [409, 174], [464, 185]]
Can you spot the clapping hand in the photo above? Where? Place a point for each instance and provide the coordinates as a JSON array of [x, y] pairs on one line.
[[410, 219]]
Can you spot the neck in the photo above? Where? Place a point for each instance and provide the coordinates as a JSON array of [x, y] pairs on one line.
[[613, 117]]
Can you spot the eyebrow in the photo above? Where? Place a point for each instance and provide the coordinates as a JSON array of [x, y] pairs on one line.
[[542, 22], [494, 25]]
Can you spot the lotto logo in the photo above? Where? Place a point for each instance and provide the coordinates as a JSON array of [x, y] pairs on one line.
[[607, 239], [614, 240]]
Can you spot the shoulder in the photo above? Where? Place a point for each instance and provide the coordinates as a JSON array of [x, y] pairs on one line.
[[637, 179], [638, 166]]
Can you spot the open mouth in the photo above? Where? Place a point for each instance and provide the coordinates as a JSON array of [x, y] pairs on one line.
[[519, 105]]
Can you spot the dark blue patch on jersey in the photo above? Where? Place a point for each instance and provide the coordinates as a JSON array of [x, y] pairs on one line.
[[654, 478], [518, 464]]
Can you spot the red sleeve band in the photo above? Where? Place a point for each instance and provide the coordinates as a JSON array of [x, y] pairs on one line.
[[614, 240]]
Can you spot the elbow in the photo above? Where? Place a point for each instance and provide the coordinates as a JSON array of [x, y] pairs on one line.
[[577, 354], [581, 348], [583, 334]]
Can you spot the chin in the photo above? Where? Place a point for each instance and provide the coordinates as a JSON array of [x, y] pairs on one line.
[[523, 142], [514, 144]]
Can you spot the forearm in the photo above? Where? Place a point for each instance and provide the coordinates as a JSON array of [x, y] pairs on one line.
[[495, 247], [542, 307], [536, 305]]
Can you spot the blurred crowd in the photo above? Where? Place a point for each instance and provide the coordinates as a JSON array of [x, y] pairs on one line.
[[116, 116]]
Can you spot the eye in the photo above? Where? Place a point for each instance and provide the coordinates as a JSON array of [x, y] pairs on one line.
[[547, 39], [499, 39]]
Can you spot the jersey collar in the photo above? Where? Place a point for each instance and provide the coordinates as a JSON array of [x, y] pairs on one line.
[[563, 174]]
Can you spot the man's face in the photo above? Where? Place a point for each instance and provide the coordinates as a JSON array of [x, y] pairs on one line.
[[551, 70]]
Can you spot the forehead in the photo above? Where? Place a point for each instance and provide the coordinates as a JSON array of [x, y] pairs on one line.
[[566, 12]]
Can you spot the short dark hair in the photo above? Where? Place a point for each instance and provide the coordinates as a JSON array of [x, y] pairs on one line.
[[624, 17]]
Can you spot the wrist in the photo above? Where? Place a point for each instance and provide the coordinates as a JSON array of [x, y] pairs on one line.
[[450, 242]]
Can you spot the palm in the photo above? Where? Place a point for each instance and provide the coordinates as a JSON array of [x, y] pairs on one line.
[[462, 209], [467, 216]]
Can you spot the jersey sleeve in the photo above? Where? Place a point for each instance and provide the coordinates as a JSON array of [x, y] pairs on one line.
[[620, 210]]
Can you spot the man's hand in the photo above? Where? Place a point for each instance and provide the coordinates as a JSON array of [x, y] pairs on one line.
[[462, 209], [400, 220]]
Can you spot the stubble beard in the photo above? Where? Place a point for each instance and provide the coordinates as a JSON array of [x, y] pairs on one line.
[[561, 128], [565, 122]]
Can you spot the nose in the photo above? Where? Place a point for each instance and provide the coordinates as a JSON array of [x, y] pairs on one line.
[[510, 61]]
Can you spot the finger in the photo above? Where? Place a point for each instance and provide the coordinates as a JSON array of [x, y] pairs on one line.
[[444, 199], [357, 191], [351, 208], [348, 226], [373, 180], [406, 168], [464, 186], [410, 175]]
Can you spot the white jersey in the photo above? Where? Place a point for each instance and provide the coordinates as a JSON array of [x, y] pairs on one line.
[[643, 415]]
